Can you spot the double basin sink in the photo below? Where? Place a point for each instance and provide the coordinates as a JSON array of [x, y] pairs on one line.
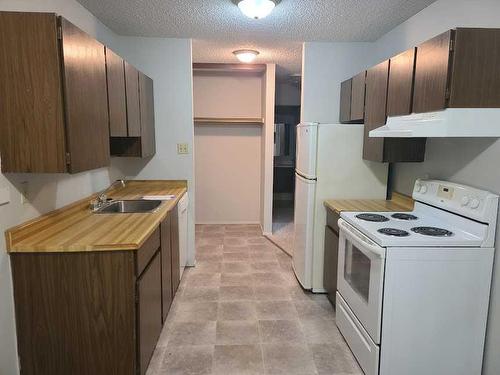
[[129, 206]]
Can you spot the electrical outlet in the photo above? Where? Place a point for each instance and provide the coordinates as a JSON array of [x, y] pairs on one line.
[[182, 148]]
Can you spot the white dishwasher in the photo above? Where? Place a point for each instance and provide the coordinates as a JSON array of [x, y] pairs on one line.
[[182, 211]]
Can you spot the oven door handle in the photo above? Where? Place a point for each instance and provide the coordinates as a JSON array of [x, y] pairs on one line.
[[357, 237]]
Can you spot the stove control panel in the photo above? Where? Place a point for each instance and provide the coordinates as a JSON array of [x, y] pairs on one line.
[[464, 200]]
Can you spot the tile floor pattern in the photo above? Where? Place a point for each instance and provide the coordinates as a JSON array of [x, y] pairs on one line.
[[240, 311]]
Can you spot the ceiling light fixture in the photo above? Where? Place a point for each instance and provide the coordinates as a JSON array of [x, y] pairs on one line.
[[257, 9], [246, 55]]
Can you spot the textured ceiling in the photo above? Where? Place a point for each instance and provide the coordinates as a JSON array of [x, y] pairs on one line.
[[218, 27]]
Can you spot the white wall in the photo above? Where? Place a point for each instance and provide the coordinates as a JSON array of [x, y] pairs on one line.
[[48, 192], [324, 67], [228, 157], [168, 63], [228, 174], [469, 161]]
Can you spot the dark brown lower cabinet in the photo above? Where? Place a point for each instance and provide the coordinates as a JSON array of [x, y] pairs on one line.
[[176, 270], [149, 320], [96, 313], [331, 255]]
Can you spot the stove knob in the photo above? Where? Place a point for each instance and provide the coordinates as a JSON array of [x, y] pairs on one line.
[[465, 201], [475, 203], [423, 189]]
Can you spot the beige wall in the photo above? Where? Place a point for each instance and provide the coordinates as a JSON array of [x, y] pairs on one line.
[[227, 95], [228, 173], [228, 156]]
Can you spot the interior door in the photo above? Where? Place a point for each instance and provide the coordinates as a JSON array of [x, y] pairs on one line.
[[305, 194], [85, 88], [432, 73]]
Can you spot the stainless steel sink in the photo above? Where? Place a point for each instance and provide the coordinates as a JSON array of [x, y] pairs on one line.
[[128, 207]]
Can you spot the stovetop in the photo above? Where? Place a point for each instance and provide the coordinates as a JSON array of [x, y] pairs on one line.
[[424, 227]]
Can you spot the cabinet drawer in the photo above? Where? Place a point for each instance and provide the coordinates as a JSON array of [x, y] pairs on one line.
[[332, 220], [146, 252]]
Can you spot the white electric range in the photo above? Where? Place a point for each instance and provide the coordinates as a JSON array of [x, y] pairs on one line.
[[413, 288]]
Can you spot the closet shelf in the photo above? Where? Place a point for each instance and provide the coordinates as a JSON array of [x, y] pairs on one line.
[[228, 120]]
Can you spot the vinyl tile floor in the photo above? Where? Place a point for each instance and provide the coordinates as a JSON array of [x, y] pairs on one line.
[[241, 311]]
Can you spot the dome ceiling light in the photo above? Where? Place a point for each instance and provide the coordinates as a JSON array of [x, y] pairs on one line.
[[246, 55], [256, 9]]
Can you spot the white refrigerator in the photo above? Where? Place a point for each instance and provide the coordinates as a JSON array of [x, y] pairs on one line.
[[330, 165]]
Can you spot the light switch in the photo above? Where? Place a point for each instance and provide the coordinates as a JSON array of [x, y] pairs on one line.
[[4, 195], [182, 148]]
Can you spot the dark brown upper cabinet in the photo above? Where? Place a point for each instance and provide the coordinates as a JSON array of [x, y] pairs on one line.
[[458, 69], [386, 149], [375, 109], [134, 133], [146, 96], [54, 110], [115, 68], [432, 71], [352, 99], [133, 104], [400, 89]]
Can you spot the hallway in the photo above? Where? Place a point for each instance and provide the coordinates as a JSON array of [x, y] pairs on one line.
[[241, 311]]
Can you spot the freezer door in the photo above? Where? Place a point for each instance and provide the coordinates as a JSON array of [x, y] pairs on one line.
[[307, 145], [305, 195]]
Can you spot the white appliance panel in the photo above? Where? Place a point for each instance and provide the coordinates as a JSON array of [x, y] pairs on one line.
[[307, 141], [435, 310], [182, 210], [364, 349], [360, 277], [341, 174], [305, 191]]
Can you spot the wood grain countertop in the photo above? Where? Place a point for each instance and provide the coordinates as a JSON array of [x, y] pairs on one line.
[[399, 202], [74, 228]]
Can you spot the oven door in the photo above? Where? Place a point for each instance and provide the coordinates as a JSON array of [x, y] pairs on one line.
[[361, 277]]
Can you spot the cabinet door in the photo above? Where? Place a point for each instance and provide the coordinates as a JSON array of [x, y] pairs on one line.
[[176, 271], [133, 106], [166, 266], [85, 88], [358, 98], [330, 263], [345, 101], [149, 311], [117, 100], [400, 91], [375, 109], [146, 95], [475, 81], [32, 136], [432, 73]]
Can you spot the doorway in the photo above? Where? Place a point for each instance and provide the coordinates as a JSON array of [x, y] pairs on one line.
[[287, 116]]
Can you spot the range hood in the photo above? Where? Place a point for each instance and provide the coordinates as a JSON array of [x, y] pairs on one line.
[[451, 122]]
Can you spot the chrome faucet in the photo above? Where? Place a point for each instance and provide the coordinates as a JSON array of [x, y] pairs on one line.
[[102, 197]]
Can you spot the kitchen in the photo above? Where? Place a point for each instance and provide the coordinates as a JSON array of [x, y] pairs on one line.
[[466, 160]]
